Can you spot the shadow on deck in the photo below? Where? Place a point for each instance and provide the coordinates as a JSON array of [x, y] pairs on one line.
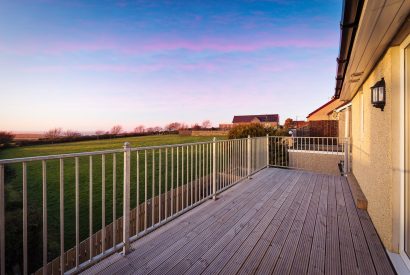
[[280, 221]]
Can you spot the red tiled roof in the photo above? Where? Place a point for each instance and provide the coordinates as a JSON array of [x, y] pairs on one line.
[[262, 118]]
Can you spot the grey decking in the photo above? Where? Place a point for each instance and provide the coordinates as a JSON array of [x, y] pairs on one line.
[[281, 222]]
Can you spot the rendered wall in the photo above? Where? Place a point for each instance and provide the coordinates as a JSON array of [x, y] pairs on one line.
[[323, 163], [374, 148]]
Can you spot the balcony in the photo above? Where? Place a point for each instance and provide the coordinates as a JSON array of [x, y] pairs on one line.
[[253, 205], [280, 221]]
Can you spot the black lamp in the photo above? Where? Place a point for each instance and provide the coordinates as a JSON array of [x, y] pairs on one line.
[[379, 94]]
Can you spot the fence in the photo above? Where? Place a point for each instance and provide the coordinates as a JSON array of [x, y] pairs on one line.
[[83, 208], [319, 128], [329, 155]]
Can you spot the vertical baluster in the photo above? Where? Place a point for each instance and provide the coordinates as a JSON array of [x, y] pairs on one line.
[[182, 177], [159, 185], [238, 159], [145, 190], [25, 209], [177, 187], [230, 158], [103, 203], [137, 212], [228, 149], [277, 140], [221, 166], [210, 165], [172, 181], [203, 172], [327, 144], [2, 224], [243, 158], [90, 207], [114, 196], [208, 169], [77, 213], [232, 161], [214, 168], [187, 176], [201, 194], [284, 149], [166, 183], [44, 168], [153, 189], [196, 174], [62, 267], [192, 174], [126, 199]]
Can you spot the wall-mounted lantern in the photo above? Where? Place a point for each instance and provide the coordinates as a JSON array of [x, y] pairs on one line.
[[379, 94]]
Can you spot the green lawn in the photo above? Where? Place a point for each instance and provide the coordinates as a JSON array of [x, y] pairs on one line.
[[34, 176]]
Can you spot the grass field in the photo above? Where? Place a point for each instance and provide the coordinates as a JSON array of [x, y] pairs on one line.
[[34, 176]]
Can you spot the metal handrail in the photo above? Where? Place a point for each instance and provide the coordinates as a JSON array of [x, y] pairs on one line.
[[179, 176]]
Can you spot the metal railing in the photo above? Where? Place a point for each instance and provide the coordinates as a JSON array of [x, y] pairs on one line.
[[296, 152], [82, 207]]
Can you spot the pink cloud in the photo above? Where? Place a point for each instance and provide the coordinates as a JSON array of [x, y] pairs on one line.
[[126, 46]]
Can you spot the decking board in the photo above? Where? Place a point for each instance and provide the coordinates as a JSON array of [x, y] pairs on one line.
[[279, 222]]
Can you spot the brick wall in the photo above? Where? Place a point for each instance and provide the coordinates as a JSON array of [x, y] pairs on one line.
[[319, 128]]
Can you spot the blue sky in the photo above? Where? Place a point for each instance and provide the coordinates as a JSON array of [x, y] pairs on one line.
[[87, 65]]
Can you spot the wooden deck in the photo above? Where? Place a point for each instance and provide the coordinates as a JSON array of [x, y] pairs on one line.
[[280, 222]]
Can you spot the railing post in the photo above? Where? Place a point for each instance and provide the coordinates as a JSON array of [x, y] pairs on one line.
[[248, 156], [267, 150], [214, 168], [346, 157], [126, 202], [2, 222]]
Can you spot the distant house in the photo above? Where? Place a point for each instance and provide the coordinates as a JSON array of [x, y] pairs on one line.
[[325, 112], [322, 122], [268, 120]]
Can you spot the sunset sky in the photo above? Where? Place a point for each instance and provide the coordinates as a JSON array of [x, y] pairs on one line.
[[87, 65]]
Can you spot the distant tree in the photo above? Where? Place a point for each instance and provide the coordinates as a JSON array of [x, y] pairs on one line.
[[157, 129], [99, 132], [6, 138], [206, 124], [174, 126], [183, 126], [196, 126], [149, 130], [71, 133], [53, 133], [139, 129], [116, 130], [288, 123]]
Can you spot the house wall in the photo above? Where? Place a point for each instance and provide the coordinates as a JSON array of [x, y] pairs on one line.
[[342, 123], [323, 114], [375, 148], [319, 162]]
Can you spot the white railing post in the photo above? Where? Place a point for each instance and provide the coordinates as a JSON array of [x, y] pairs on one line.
[[214, 168], [248, 155], [126, 202], [267, 150], [346, 157], [2, 222]]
